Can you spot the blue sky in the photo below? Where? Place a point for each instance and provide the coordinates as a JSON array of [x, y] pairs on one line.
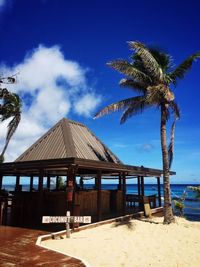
[[60, 49]]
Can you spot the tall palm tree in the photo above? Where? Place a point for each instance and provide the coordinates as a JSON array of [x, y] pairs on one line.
[[10, 108], [150, 74]]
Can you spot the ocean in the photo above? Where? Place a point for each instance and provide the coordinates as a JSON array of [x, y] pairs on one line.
[[191, 203]]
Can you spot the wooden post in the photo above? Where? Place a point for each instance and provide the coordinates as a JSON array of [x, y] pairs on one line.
[[159, 192], [40, 192], [17, 185], [81, 184], [40, 182], [142, 185], [57, 178], [1, 181], [120, 182], [70, 188], [48, 182], [31, 183], [141, 204], [96, 182], [99, 196], [139, 186], [124, 192]]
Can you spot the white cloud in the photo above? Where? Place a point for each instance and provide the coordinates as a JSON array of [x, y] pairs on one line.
[[86, 104], [51, 87]]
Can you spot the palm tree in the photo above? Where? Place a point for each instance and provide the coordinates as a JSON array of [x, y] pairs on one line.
[[150, 74], [9, 108]]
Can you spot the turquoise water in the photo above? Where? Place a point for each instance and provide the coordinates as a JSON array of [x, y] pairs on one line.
[[192, 204]]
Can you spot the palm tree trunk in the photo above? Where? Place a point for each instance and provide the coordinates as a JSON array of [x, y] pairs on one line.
[[168, 213]]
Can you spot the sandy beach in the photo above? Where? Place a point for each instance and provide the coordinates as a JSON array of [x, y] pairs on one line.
[[135, 244]]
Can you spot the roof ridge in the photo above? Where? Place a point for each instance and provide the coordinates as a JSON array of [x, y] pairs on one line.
[[67, 137]]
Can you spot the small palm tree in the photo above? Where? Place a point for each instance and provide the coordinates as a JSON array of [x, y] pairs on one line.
[[10, 108], [150, 73]]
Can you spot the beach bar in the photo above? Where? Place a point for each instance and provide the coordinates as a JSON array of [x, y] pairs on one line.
[[71, 151]]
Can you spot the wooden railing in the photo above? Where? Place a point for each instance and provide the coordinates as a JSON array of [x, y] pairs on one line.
[[137, 200]]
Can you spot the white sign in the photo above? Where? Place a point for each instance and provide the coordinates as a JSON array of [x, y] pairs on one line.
[[66, 219]]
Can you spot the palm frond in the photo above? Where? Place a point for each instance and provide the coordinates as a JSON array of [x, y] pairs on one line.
[[150, 64], [183, 68], [136, 86], [11, 108], [164, 60], [120, 105], [128, 69], [12, 126], [137, 106], [171, 144], [175, 109]]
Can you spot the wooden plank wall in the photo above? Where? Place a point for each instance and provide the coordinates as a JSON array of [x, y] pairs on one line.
[[88, 202]]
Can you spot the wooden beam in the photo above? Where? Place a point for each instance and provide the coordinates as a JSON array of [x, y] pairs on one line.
[[1, 181], [99, 196], [31, 183], [159, 192], [139, 186], [124, 192], [33, 166]]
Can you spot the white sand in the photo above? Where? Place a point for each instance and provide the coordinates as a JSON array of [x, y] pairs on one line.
[[136, 244]]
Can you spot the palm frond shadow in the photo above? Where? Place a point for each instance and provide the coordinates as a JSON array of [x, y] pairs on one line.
[[106, 154], [125, 221], [148, 220]]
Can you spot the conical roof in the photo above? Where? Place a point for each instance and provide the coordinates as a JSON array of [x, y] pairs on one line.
[[68, 139]]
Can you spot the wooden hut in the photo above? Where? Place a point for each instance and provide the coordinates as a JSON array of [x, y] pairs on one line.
[[71, 150]]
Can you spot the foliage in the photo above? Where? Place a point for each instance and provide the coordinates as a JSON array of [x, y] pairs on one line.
[[179, 204], [61, 183], [10, 107]]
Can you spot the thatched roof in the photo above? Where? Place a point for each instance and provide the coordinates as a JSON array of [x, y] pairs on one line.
[[68, 139]]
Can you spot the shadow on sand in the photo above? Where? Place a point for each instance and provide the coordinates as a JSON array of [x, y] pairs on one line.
[[125, 221]]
